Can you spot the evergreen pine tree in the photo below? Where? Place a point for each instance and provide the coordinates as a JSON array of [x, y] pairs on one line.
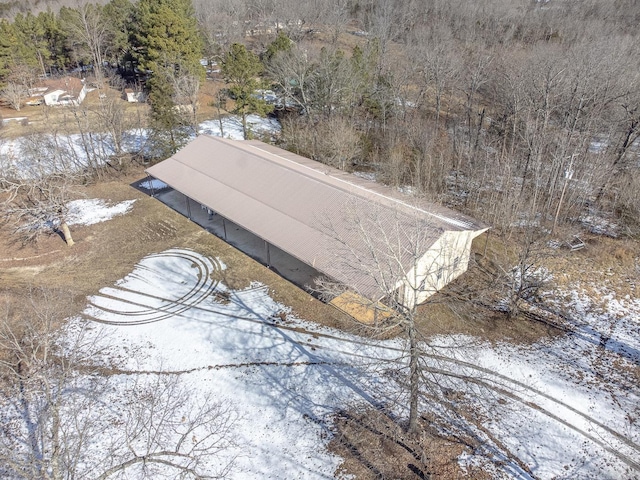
[[33, 47], [166, 44], [118, 14], [241, 69], [282, 43], [8, 45]]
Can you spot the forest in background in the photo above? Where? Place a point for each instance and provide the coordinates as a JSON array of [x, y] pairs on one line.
[[520, 113]]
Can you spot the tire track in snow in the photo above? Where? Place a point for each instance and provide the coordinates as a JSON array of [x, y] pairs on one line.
[[205, 286], [596, 438], [168, 307]]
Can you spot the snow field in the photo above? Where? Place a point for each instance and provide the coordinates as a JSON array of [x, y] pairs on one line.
[[564, 407], [288, 377]]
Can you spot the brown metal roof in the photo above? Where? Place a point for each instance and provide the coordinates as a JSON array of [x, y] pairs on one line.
[[314, 212], [71, 85]]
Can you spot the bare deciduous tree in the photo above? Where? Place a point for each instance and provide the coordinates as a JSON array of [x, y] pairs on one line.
[[37, 389], [185, 97], [15, 94], [290, 70], [222, 23], [522, 282], [113, 119], [439, 67], [64, 417], [333, 141], [88, 29], [402, 260], [36, 197], [166, 429]]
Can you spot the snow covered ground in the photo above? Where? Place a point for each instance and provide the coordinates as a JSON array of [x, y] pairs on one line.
[[286, 377], [70, 150], [232, 127], [560, 408], [565, 408], [91, 211]]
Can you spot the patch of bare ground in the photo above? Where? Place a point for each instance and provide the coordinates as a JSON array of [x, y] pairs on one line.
[[482, 322], [613, 263], [41, 118], [374, 446], [467, 306], [106, 252], [208, 98]]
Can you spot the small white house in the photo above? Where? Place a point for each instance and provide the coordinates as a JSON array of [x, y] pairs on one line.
[[55, 97], [63, 91]]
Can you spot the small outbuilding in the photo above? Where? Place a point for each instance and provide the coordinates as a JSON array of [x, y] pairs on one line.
[[377, 241], [134, 96], [63, 91]]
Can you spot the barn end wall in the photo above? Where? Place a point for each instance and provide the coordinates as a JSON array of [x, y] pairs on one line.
[[446, 260]]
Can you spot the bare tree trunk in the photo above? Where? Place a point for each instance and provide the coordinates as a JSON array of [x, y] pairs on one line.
[[41, 62], [414, 377], [219, 98], [67, 234], [56, 474], [630, 137], [244, 124]]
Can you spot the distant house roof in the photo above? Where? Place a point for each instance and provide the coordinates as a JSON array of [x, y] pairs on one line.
[[298, 204], [71, 85], [61, 90]]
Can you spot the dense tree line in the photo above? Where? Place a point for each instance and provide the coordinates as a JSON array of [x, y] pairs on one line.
[[507, 105], [520, 112]]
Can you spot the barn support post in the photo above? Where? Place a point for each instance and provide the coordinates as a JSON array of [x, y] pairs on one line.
[[188, 207], [153, 192], [268, 253]]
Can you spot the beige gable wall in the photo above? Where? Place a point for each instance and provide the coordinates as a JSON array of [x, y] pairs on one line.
[[316, 213], [446, 260]]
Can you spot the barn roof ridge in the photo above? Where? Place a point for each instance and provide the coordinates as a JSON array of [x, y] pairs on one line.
[[462, 222], [306, 208], [455, 222]]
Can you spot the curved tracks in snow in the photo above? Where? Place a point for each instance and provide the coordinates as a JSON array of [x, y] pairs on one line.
[[121, 305]]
